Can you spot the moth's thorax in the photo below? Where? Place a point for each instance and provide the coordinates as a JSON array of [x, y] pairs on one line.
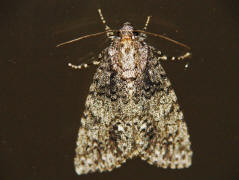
[[128, 61], [128, 55]]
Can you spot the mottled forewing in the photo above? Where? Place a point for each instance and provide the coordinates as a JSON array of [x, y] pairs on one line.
[[165, 128], [97, 144]]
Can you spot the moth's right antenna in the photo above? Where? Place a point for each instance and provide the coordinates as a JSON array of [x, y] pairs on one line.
[[166, 38]]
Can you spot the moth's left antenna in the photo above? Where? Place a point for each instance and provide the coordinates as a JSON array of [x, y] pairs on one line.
[[80, 38], [108, 30]]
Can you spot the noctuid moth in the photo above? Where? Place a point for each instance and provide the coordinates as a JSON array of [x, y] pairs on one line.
[[131, 109]]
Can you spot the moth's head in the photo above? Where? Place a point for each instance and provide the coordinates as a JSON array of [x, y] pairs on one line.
[[126, 32]]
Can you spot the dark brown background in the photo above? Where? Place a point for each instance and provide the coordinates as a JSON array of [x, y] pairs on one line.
[[41, 99]]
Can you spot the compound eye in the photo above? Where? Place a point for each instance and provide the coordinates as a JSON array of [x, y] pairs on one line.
[[135, 33], [118, 33]]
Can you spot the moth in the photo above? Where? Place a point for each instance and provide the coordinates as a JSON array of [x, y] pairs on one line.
[[131, 110]]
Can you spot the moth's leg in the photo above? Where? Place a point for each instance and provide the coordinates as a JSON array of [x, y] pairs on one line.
[[83, 65], [163, 57], [91, 61], [146, 23], [107, 28], [142, 35]]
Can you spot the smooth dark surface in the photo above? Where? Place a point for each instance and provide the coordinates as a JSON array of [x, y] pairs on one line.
[[41, 99]]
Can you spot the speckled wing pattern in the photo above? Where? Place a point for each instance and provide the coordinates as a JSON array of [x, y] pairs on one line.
[[167, 135], [126, 117]]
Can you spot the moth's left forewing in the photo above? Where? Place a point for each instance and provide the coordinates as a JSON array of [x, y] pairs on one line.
[[96, 150]]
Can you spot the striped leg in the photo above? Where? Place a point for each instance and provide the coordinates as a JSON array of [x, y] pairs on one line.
[[146, 23], [173, 58], [107, 28], [84, 65]]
